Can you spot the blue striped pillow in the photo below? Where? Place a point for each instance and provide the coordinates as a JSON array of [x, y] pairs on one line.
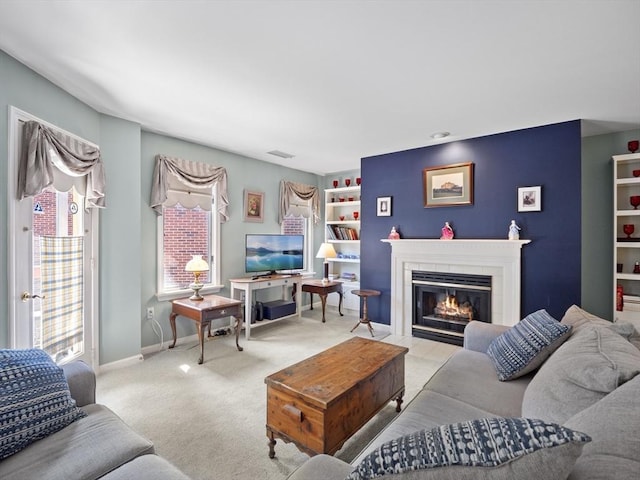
[[483, 448], [525, 346], [34, 399]]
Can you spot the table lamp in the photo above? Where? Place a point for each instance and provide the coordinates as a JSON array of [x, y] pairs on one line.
[[326, 251], [197, 265]]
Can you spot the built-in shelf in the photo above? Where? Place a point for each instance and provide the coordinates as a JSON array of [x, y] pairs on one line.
[[343, 268], [626, 251]]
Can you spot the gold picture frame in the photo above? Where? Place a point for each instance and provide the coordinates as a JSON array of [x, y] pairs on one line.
[[253, 206], [448, 186]]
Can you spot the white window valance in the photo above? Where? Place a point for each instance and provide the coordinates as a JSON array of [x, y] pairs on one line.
[[176, 180], [53, 158], [306, 193]]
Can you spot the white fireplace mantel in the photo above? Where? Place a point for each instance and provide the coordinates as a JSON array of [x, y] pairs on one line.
[[499, 259]]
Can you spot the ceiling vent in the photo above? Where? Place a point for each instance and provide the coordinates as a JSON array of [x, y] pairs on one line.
[[280, 154]]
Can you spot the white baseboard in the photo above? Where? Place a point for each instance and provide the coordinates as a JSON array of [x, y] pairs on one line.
[[125, 362], [165, 346]]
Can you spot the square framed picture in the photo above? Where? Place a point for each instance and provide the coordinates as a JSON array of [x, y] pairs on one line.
[[530, 199], [383, 207], [448, 186], [253, 206]]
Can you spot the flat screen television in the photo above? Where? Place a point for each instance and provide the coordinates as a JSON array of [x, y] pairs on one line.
[[272, 253]]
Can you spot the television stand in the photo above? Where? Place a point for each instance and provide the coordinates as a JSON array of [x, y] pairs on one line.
[[249, 285]]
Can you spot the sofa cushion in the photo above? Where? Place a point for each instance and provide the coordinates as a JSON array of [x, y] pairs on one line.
[[497, 448], [146, 467], [613, 424], [470, 378], [88, 449], [591, 364], [34, 399], [524, 347], [322, 467]]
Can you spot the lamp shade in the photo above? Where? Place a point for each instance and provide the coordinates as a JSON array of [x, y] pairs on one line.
[[197, 264], [326, 251]]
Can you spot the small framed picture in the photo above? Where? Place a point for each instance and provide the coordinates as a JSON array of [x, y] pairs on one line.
[[384, 207], [530, 199], [253, 206]]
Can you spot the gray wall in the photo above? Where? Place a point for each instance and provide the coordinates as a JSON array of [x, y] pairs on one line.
[[243, 173], [127, 262], [597, 219]]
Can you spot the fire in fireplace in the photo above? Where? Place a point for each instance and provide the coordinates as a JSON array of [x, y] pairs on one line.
[[444, 303]]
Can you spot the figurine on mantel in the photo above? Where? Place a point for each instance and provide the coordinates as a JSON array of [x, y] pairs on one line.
[[514, 231], [393, 235], [447, 232]]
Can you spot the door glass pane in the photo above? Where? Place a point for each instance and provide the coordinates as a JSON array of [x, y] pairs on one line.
[[58, 267]]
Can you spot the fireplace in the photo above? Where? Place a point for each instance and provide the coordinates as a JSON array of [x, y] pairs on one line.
[[443, 304], [498, 259]]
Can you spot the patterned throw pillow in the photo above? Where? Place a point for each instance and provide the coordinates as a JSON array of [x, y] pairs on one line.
[[507, 447], [34, 399], [526, 345]]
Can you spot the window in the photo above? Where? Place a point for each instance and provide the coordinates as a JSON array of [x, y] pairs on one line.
[[183, 232], [297, 223]]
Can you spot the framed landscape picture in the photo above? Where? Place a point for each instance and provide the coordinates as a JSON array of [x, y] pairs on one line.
[[447, 186], [253, 206]]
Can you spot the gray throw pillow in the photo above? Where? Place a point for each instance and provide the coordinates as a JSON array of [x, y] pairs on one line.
[[488, 448], [588, 366], [526, 345], [579, 318], [613, 424]]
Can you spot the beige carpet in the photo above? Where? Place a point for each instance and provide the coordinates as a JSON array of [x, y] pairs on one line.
[[209, 420]]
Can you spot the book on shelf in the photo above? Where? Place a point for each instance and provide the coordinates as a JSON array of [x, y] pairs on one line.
[[336, 232]]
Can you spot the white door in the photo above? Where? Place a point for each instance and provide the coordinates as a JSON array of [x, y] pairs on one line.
[[52, 246]]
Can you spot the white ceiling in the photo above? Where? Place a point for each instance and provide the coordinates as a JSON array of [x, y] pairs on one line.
[[333, 81]]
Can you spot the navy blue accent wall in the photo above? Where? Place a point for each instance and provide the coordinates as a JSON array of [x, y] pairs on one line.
[[549, 156]]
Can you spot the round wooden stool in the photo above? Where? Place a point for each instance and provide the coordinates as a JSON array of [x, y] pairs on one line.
[[364, 294]]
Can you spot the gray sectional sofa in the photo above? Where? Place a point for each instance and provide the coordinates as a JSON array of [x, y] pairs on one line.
[[99, 445], [589, 384]]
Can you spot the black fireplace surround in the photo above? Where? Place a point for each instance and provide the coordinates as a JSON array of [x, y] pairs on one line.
[[443, 304]]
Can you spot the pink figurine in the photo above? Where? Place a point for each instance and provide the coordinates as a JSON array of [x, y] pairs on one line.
[[393, 235], [447, 232]]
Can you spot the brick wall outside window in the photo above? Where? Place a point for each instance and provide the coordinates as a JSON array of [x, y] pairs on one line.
[[294, 225], [186, 233]]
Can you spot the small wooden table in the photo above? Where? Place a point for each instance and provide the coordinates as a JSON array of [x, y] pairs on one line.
[[202, 312], [364, 294], [320, 402], [323, 289]]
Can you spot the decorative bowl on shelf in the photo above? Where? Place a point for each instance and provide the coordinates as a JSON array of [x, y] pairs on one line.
[[633, 146], [635, 201], [636, 173], [628, 229]]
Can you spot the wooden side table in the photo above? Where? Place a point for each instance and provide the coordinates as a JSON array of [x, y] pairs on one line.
[[323, 289], [364, 294], [202, 312]]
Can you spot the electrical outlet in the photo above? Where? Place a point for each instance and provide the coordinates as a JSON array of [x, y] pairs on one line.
[[150, 313]]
